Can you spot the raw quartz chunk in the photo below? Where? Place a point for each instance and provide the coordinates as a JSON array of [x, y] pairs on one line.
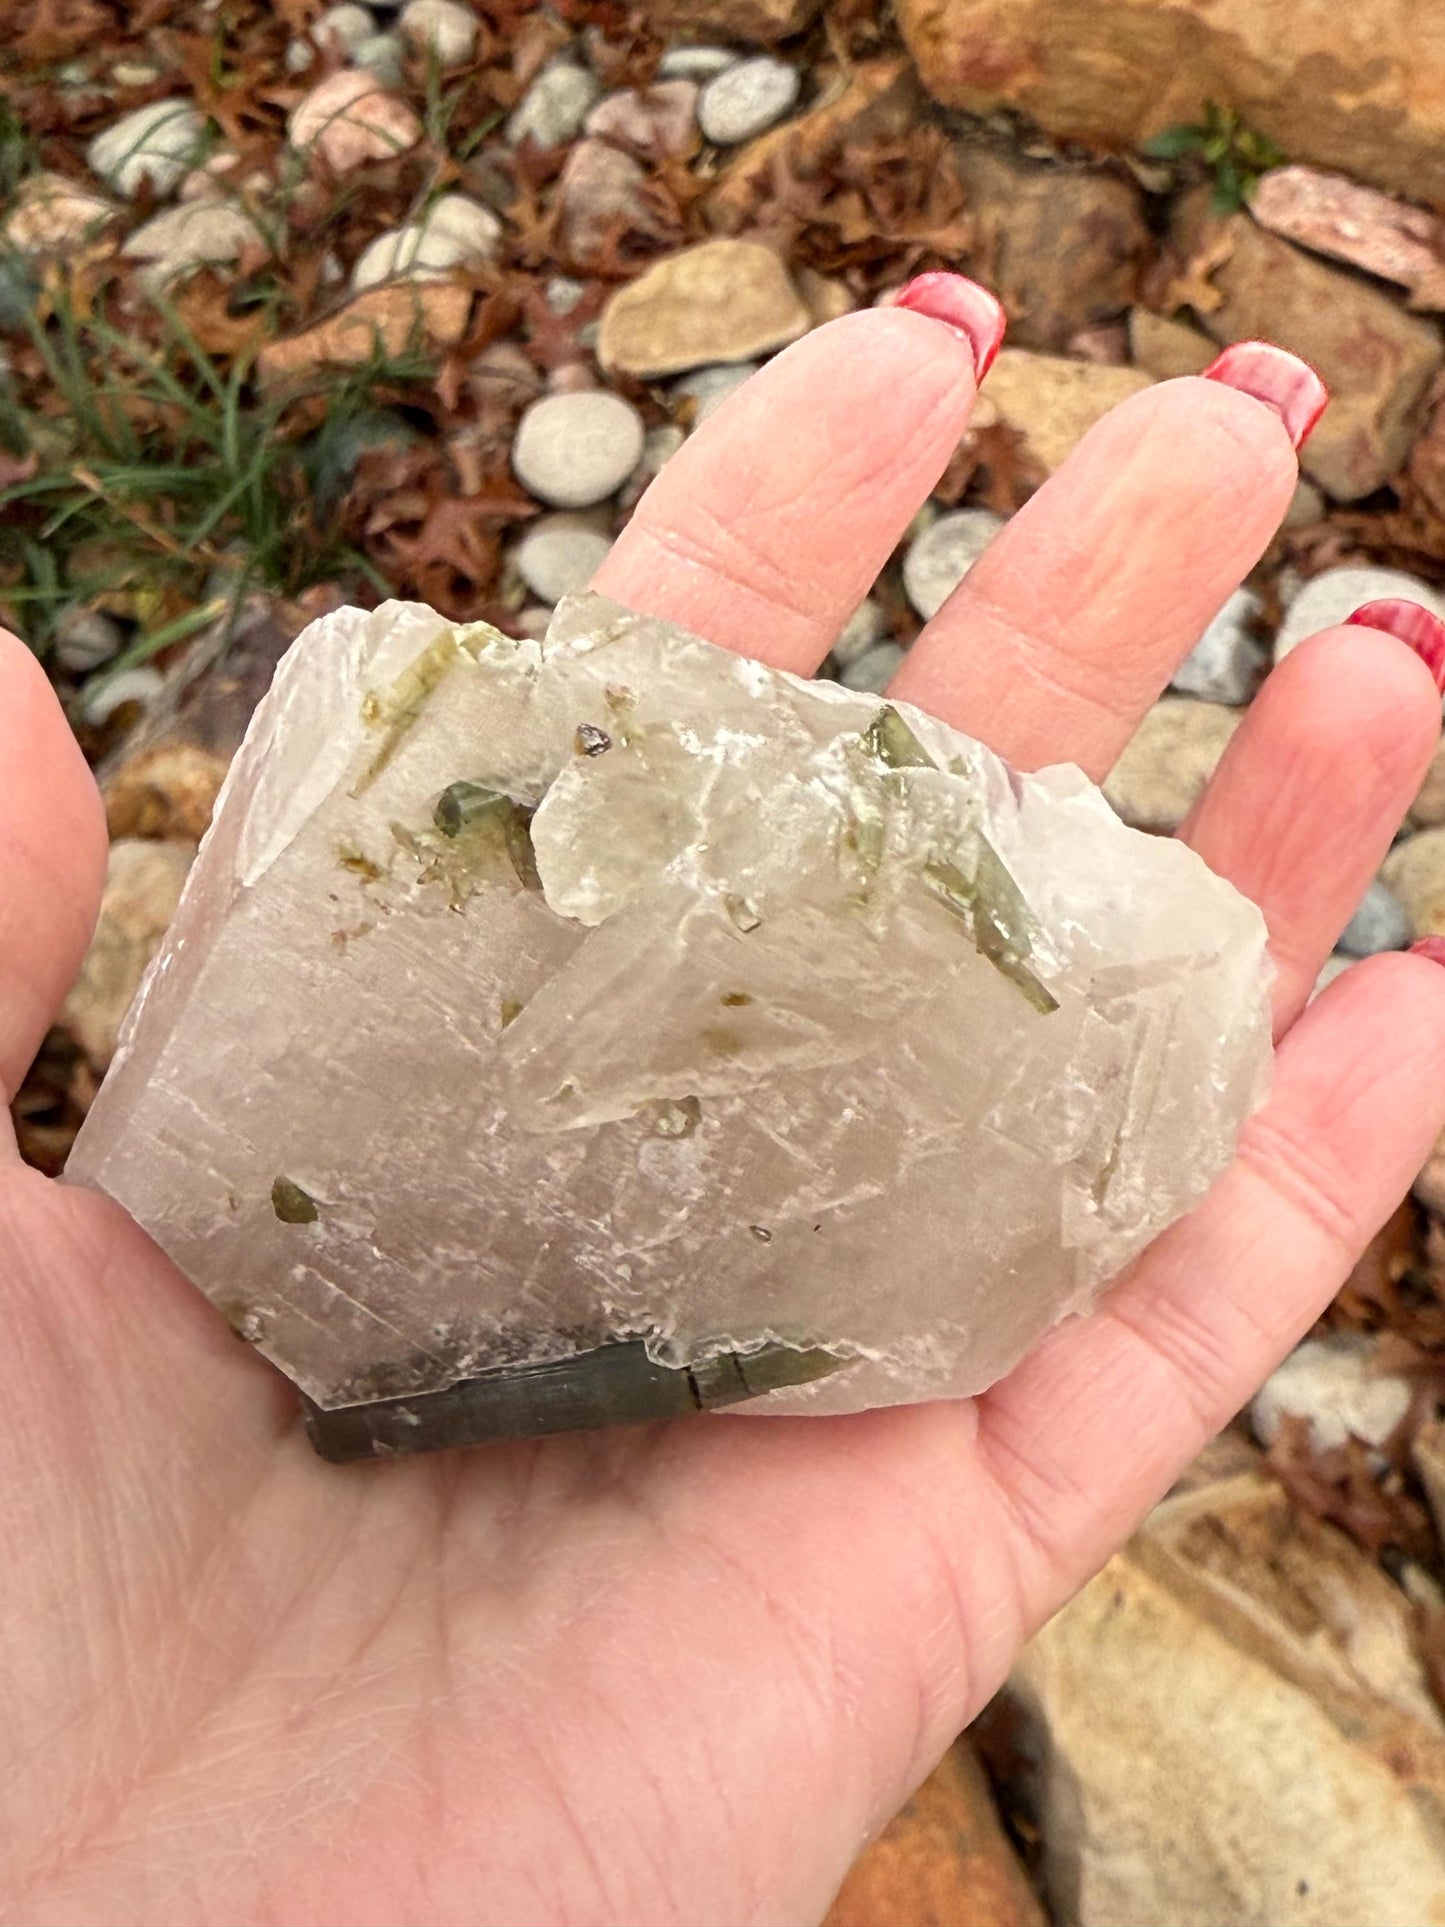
[[526, 997]]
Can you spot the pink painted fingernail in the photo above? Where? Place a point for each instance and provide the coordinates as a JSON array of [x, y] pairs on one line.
[[1414, 625], [960, 304], [1277, 378], [1431, 947]]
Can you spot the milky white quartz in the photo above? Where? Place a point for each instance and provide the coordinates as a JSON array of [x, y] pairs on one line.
[[787, 1018]]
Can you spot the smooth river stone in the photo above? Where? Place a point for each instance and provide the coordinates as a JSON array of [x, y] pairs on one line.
[[792, 1029]]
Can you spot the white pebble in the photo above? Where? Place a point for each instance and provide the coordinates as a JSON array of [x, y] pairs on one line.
[[874, 669], [696, 63], [746, 99], [659, 445], [85, 638], [859, 633], [194, 235], [559, 554], [383, 56], [156, 143], [940, 557], [1226, 663], [1380, 923], [563, 293], [1329, 1381], [574, 450], [341, 30], [441, 28], [455, 232], [554, 107], [1328, 598], [141, 686], [709, 387]]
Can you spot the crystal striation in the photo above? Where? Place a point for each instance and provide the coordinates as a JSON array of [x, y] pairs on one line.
[[618, 997]]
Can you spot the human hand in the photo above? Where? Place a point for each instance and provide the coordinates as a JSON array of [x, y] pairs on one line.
[[679, 1673]]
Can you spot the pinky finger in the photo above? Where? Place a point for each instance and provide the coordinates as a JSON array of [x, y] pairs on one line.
[[1313, 787], [1096, 1423]]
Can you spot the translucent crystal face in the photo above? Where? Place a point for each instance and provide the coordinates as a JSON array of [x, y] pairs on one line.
[[529, 997]]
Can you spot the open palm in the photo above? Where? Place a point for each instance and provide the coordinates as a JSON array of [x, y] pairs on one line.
[[679, 1673]]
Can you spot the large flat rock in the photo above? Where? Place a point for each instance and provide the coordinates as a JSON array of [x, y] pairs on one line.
[[1360, 88]]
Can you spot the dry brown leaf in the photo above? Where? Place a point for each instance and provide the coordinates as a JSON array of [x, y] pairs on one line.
[[1343, 1486]]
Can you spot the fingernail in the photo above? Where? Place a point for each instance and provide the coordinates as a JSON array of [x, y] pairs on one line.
[[1277, 378], [960, 304], [1414, 625], [1431, 947]]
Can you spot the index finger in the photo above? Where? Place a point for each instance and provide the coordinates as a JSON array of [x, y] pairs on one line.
[[768, 527]]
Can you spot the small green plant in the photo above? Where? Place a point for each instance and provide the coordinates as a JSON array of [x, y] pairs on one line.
[[158, 472], [17, 157], [1233, 153]]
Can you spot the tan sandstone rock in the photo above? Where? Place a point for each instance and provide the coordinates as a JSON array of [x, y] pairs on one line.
[[142, 888], [1167, 348], [1376, 359], [1168, 760], [944, 1861], [383, 320], [1231, 1724], [1060, 244], [1428, 809], [1359, 88], [1415, 871], [1339, 217], [1051, 401], [719, 301]]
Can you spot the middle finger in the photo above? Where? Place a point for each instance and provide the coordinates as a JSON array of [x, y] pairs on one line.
[[1067, 628]]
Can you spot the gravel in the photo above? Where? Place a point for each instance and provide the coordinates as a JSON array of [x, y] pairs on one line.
[[1380, 923], [194, 235], [383, 56], [455, 232], [343, 29], [1336, 593], [157, 143], [1330, 1382], [554, 107], [85, 638], [696, 63], [140, 686], [442, 28], [563, 293], [744, 100], [561, 553], [938, 559], [709, 387], [874, 669], [1226, 664], [574, 450], [864, 627]]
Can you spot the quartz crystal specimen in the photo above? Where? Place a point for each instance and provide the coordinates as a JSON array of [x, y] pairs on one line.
[[552, 1033]]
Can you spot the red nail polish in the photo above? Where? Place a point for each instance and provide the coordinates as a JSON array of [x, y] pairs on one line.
[[1431, 947], [960, 304], [1277, 378], [1414, 625]]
